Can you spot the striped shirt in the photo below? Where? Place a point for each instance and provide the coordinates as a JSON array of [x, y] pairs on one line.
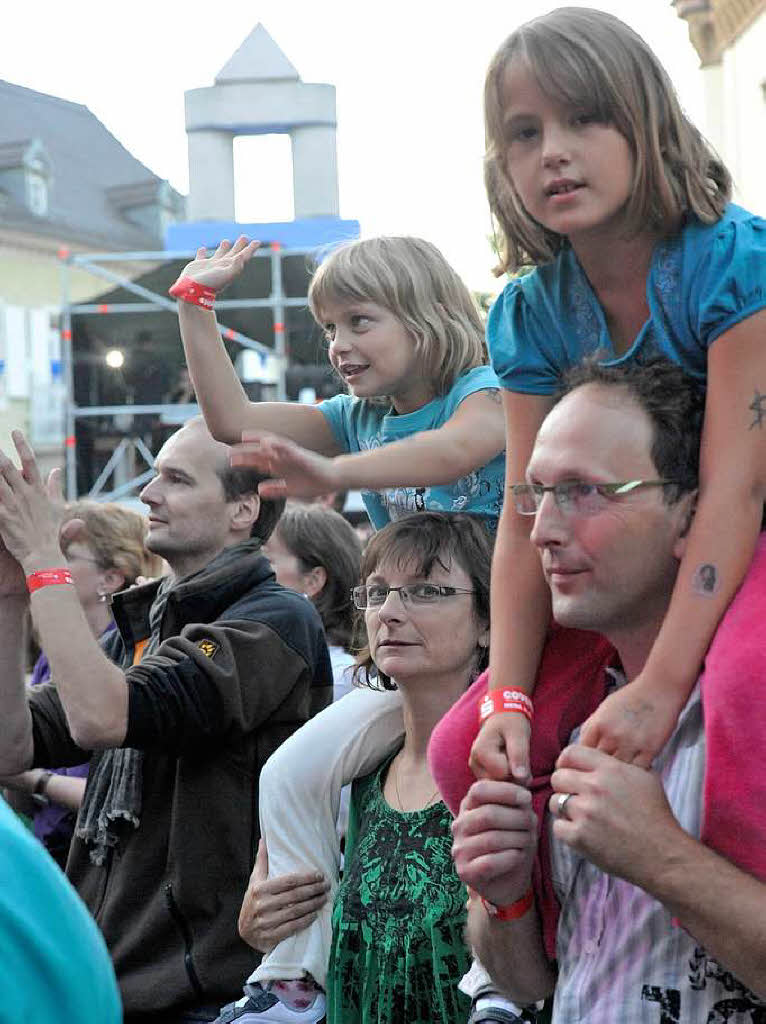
[[621, 959]]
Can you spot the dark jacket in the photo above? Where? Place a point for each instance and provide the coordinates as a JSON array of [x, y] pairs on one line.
[[242, 664]]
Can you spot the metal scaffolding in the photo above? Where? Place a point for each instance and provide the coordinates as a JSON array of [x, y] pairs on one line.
[[127, 450]]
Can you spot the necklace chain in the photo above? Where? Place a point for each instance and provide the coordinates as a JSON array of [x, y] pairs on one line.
[[428, 802]]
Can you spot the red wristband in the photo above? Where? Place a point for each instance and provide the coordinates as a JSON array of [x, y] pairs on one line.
[[505, 700], [45, 577], [188, 290], [511, 911]]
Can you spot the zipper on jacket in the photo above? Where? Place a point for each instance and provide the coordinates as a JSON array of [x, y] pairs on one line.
[[183, 927]]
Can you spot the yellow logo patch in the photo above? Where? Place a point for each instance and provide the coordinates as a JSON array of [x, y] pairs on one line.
[[208, 647]]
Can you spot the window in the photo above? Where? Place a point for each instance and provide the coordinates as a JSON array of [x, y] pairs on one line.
[[37, 188], [37, 192]]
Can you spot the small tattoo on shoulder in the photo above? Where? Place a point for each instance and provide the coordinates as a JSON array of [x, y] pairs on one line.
[[758, 409], [494, 396], [705, 580]]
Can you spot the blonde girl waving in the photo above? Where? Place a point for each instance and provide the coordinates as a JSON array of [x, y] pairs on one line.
[[421, 426]]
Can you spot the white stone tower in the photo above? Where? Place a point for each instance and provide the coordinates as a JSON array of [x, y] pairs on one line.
[[259, 92]]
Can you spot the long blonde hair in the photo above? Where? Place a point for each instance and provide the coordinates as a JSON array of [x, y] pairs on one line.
[[589, 59], [410, 278]]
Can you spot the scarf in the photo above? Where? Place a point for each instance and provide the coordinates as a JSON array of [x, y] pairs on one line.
[[112, 798]]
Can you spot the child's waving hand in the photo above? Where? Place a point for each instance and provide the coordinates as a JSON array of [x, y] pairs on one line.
[[226, 263]]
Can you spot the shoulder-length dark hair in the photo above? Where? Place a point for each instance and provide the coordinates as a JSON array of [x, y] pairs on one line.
[[319, 536], [419, 542]]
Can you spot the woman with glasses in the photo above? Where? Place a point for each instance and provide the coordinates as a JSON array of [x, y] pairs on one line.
[[393, 946], [105, 555]]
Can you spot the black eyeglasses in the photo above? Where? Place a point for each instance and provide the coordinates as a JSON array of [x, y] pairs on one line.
[[373, 595], [576, 497]]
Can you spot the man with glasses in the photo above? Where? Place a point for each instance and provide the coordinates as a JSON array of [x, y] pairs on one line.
[[654, 925]]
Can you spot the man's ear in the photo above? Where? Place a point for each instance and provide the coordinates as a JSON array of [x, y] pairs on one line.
[[246, 510], [686, 508]]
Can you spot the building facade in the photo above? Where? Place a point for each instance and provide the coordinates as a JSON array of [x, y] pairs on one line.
[[730, 38], [66, 185], [69, 190]]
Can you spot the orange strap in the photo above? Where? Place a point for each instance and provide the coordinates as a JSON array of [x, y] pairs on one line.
[[138, 650]]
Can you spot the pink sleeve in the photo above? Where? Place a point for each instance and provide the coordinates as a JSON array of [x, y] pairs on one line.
[[451, 742], [734, 822]]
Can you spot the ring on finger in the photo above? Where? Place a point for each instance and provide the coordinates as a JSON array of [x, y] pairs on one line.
[[561, 808]]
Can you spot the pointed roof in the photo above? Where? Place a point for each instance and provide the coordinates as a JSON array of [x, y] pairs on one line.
[[258, 59]]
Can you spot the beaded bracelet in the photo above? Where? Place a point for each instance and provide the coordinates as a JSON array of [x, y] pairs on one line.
[[188, 290], [497, 701], [45, 577]]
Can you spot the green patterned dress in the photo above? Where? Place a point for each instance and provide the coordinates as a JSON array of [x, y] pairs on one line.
[[398, 950]]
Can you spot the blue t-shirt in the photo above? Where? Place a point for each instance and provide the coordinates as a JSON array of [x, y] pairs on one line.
[[361, 425], [702, 281], [54, 966]]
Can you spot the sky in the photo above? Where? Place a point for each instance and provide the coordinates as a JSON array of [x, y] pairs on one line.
[[408, 75]]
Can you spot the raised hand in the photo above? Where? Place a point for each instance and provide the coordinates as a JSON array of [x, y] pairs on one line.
[[30, 511], [223, 266], [13, 581], [294, 472]]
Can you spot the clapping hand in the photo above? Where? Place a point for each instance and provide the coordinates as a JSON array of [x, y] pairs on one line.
[[30, 517], [12, 579]]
